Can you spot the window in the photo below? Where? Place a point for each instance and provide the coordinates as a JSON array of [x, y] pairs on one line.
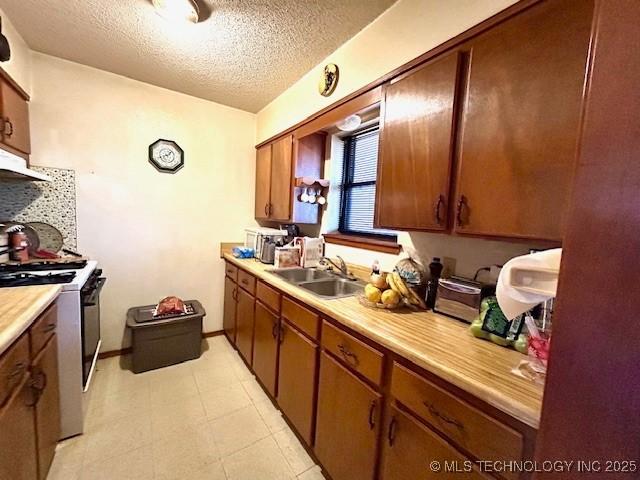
[[358, 195]]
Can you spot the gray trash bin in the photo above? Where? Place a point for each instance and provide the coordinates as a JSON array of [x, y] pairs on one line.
[[161, 341]]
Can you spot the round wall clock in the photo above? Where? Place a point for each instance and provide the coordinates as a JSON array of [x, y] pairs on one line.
[[329, 79], [166, 155]]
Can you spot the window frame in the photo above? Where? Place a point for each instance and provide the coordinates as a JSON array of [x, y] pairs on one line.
[[347, 184]]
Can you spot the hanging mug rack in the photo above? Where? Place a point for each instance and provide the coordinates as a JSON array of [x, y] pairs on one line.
[[313, 190]]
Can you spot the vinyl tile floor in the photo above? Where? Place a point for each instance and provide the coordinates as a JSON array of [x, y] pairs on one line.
[[203, 419]]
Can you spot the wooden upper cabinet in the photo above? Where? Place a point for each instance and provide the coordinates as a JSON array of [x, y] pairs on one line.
[[263, 181], [229, 314], [15, 119], [416, 147], [281, 179], [347, 425], [520, 122], [277, 164]]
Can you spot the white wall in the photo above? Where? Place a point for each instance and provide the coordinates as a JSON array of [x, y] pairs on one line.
[[154, 234], [19, 66], [405, 31]]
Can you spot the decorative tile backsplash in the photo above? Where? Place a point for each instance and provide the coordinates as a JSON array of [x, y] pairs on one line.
[[50, 202]]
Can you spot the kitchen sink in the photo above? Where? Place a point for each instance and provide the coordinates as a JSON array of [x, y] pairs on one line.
[[333, 287], [297, 275], [324, 284]]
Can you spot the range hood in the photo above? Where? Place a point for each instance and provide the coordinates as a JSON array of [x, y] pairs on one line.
[[13, 167]]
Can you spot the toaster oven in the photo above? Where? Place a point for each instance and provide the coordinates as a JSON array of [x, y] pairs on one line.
[[460, 297]]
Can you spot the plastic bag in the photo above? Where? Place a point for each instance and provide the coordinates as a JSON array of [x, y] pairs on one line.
[[411, 269], [169, 306]]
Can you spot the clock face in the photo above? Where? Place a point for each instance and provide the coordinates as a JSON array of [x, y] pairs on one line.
[[166, 155]]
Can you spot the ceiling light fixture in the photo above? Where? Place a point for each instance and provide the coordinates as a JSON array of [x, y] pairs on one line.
[[350, 123], [177, 9]]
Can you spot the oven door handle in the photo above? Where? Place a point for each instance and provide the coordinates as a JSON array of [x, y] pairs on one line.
[[91, 301]]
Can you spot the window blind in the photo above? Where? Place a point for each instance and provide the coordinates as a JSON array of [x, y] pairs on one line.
[[359, 184]]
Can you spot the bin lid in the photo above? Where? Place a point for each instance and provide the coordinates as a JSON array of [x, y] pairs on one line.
[[141, 316]]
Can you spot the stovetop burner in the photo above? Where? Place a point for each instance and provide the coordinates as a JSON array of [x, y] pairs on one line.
[[42, 266], [24, 279]]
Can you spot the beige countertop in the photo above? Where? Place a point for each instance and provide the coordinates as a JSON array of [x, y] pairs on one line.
[[434, 342], [19, 307]]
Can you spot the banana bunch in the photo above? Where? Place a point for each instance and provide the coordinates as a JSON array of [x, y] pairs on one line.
[[397, 284]]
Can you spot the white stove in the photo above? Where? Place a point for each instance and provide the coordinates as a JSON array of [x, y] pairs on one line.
[[78, 329], [78, 344]]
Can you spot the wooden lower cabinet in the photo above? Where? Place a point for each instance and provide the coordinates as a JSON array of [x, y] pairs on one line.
[[330, 384], [347, 425], [30, 417], [18, 454], [265, 346], [410, 447], [229, 315], [45, 378], [297, 379], [244, 324], [466, 426]]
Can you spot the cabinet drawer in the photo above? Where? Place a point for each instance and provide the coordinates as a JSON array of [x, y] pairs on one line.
[[269, 296], [360, 357], [231, 271], [43, 328], [13, 365], [476, 432], [410, 447], [247, 281], [304, 319]]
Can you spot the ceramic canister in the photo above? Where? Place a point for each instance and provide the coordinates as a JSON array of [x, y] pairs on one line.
[[4, 244]]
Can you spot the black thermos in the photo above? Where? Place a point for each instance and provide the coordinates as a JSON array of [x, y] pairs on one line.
[[435, 269]]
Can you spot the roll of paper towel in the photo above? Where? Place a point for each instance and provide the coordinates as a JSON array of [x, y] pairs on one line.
[[527, 281]]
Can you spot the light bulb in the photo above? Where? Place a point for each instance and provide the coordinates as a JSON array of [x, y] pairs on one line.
[[177, 9], [350, 123]]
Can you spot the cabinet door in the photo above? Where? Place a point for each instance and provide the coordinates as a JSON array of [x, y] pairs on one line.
[[281, 181], [347, 423], [229, 315], [265, 347], [416, 148], [15, 115], [45, 374], [244, 324], [520, 123], [18, 454], [263, 181], [297, 379], [409, 448]]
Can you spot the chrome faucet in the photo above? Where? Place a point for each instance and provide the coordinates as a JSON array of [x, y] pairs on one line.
[[344, 270]]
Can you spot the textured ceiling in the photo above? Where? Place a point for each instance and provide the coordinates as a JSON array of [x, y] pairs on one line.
[[244, 55]]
